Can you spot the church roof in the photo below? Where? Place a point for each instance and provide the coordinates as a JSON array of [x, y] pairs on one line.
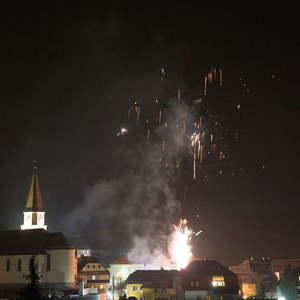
[[34, 198], [32, 242]]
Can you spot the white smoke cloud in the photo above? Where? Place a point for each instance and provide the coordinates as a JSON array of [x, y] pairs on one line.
[[135, 210]]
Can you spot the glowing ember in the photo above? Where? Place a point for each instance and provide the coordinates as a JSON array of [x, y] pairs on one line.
[[122, 131], [180, 248]]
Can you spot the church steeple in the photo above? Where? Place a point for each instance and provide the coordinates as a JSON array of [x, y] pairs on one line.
[[34, 214]]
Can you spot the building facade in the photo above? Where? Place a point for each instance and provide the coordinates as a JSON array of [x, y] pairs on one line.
[[256, 277], [94, 275], [151, 285], [209, 280], [54, 255], [201, 280]]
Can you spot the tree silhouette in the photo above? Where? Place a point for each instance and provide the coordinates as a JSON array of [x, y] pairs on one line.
[[31, 291], [288, 284]]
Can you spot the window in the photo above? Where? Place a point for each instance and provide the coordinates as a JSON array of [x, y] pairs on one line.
[[7, 265], [34, 219], [134, 288], [197, 283], [48, 262], [141, 288], [93, 266], [19, 265], [88, 266], [218, 281], [192, 283], [101, 286], [99, 266]]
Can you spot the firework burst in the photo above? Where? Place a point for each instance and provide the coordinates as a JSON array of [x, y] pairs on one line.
[[180, 248]]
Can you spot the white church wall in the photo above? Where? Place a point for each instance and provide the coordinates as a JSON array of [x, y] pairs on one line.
[[63, 269], [13, 275]]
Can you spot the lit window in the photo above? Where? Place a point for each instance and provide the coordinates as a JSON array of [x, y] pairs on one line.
[[218, 281], [101, 286], [197, 283], [93, 277], [192, 283]]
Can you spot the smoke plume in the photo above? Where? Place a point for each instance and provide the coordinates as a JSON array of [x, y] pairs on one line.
[[134, 212]]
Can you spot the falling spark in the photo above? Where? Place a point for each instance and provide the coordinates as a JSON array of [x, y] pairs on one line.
[[194, 164], [221, 77], [162, 74], [138, 116], [179, 95], [159, 117]]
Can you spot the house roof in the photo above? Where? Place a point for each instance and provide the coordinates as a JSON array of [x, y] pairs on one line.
[[34, 198], [206, 267], [31, 242], [84, 260], [152, 278]]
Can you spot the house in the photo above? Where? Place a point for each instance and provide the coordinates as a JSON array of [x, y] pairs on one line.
[[256, 277], [94, 274], [209, 280], [151, 285], [201, 280], [119, 271]]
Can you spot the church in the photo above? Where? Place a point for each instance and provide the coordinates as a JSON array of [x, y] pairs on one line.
[[54, 254]]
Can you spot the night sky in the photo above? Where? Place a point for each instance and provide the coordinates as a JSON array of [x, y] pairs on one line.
[[69, 74]]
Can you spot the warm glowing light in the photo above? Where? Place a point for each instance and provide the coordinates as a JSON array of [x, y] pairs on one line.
[[122, 131], [218, 281], [180, 247]]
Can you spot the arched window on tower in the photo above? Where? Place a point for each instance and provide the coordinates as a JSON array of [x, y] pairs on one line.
[[48, 262], [19, 265]]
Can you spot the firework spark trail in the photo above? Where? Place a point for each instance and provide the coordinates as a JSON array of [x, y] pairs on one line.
[[196, 140]]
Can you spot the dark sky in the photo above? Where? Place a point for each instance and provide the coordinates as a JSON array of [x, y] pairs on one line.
[[68, 74]]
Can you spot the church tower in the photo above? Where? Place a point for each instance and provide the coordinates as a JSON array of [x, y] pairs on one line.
[[34, 213]]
